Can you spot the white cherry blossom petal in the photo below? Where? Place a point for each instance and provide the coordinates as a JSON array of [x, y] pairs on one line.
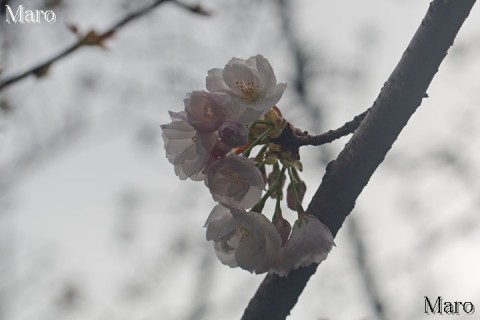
[[254, 243], [204, 111], [214, 81], [251, 83], [186, 149], [220, 224], [310, 242], [235, 181]]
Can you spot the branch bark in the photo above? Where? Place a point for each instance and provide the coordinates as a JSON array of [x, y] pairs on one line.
[[293, 138], [346, 177]]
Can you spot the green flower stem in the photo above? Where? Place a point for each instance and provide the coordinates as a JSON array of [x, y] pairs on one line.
[[276, 167], [257, 141], [278, 211], [298, 203], [260, 165], [295, 174], [260, 154], [278, 183]]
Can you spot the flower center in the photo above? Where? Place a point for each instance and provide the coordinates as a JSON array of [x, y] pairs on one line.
[[243, 233], [235, 177], [207, 112], [248, 89]]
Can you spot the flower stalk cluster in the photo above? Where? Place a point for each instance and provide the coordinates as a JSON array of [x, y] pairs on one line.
[[211, 140]]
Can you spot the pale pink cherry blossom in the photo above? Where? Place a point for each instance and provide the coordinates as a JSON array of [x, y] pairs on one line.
[[243, 239], [251, 83], [188, 150], [235, 181], [204, 111], [310, 242]]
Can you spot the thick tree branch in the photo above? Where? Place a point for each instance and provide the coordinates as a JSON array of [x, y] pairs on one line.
[[346, 177], [95, 39]]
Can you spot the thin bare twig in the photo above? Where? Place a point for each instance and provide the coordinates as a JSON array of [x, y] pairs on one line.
[[93, 38], [334, 134], [293, 138]]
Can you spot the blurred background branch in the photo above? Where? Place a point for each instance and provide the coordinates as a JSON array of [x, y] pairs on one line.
[[92, 38]]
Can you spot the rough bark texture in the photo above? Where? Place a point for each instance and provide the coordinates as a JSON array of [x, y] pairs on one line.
[[346, 177]]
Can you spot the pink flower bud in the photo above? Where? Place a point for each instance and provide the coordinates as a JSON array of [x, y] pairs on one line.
[[233, 134], [283, 227], [272, 179], [301, 188]]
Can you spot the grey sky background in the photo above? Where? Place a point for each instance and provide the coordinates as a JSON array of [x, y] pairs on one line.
[[94, 224]]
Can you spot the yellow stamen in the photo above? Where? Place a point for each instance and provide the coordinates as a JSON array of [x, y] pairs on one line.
[[243, 233], [248, 89]]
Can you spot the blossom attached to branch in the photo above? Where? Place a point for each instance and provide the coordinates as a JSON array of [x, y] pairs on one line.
[[211, 140], [204, 111], [251, 83], [310, 242], [235, 181], [187, 149], [243, 239]]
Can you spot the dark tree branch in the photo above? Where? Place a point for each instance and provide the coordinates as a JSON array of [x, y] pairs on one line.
[[300, 85], [332, 135], [94, 39], [346, 177], [294, 138]]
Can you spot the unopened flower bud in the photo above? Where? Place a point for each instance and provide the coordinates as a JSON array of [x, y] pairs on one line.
[[256, 129], [273, 177], [274, 116], [300, 188], [233, 134], [271, 158], [283, 227]]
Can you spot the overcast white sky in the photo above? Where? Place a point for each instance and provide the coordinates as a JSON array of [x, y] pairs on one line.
[[90, 205]]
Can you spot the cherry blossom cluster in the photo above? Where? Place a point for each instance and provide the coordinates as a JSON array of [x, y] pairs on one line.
[[211, 141]]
